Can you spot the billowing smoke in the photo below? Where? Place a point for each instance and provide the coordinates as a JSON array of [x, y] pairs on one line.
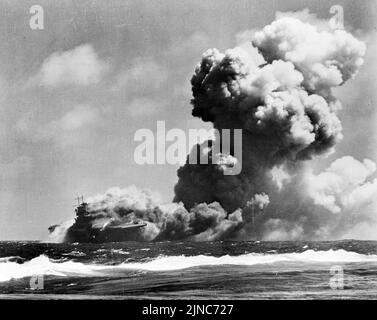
[[340, 202], [284, 106], [288, 115], [163, 222]]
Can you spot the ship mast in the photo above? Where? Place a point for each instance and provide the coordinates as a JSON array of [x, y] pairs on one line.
[[252, 213], [80, 200], [254, 210]]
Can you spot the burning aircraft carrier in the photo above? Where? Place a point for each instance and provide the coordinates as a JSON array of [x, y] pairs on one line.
[[112, 230]]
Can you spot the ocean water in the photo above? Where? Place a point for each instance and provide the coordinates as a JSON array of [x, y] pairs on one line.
[[189, 270]]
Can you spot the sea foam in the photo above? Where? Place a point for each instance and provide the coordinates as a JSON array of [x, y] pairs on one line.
[[42, 265]]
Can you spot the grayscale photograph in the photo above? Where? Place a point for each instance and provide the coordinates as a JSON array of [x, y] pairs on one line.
[[188, 150]]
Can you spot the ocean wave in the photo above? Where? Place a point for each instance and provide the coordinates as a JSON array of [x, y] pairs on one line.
[[119, 251], [74, 253], [183, 262], [42, 265], [12, 259]]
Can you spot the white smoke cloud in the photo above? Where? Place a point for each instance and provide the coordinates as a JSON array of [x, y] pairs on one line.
[[325, 58], [339, 202], [280, 176], [261, 201], [281, 230], [131, 198], [344, 186]]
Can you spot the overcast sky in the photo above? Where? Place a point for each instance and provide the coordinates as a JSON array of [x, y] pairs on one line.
[[73, 94]]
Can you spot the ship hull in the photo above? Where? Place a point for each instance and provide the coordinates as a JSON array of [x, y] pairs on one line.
[[101, 236]]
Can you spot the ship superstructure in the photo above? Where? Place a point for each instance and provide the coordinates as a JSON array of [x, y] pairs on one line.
[[112, 230]]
